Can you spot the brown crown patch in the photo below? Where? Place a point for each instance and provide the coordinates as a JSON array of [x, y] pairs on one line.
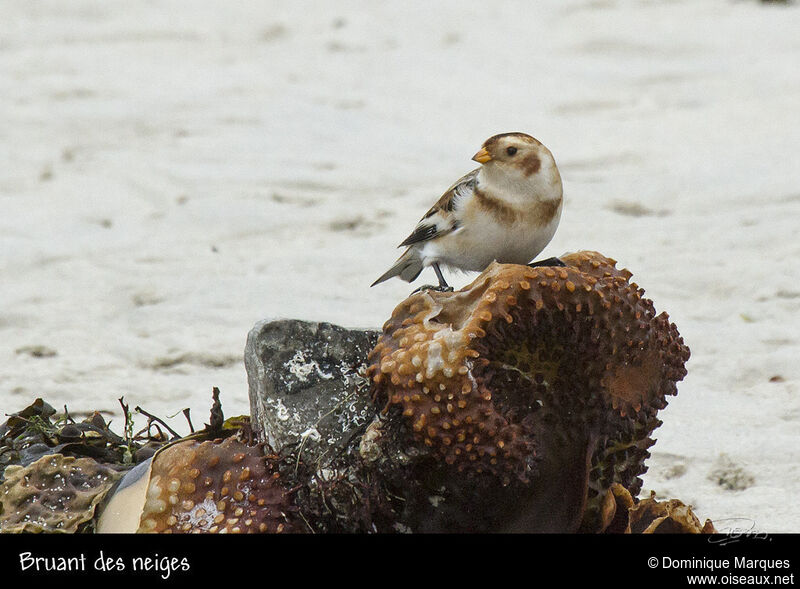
[[495, 138]]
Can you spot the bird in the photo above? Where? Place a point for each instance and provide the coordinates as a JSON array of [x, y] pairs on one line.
[[507, 210]]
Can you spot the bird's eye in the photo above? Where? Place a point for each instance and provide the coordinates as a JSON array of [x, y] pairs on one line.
[[511, 150]]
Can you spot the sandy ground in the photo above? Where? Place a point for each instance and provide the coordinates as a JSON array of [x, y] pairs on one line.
[[171, 175]]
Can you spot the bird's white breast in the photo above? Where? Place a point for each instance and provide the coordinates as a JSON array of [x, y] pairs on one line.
[[482, 239], [509, 217]]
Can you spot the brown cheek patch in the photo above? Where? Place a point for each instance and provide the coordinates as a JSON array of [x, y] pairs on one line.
[[531, 164]]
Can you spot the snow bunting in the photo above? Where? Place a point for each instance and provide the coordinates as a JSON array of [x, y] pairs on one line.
[[507, 210]]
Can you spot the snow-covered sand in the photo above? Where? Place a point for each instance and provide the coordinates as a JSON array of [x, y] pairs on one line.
[[173, 172]]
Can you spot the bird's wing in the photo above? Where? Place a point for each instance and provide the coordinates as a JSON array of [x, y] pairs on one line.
[[439, 220]]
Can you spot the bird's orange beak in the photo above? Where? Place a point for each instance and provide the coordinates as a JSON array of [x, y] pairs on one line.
[[482, 156]]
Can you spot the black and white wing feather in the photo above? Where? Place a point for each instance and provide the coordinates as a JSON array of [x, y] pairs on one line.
[[439, 220]]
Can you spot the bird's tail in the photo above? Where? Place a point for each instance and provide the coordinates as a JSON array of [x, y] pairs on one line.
[[408, 266]]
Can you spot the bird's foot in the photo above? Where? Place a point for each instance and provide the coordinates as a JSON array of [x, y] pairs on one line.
[[440, 288], [547, 262]]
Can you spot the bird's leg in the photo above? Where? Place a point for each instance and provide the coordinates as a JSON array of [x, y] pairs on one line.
[[442, 282], [443, 286], [547, 262]]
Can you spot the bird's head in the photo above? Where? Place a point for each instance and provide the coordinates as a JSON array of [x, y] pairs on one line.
[[518, 158]]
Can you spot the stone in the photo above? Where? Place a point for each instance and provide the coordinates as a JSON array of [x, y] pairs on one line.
[[306, 385]]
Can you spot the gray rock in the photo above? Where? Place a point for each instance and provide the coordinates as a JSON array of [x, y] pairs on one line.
[[307, 386]]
